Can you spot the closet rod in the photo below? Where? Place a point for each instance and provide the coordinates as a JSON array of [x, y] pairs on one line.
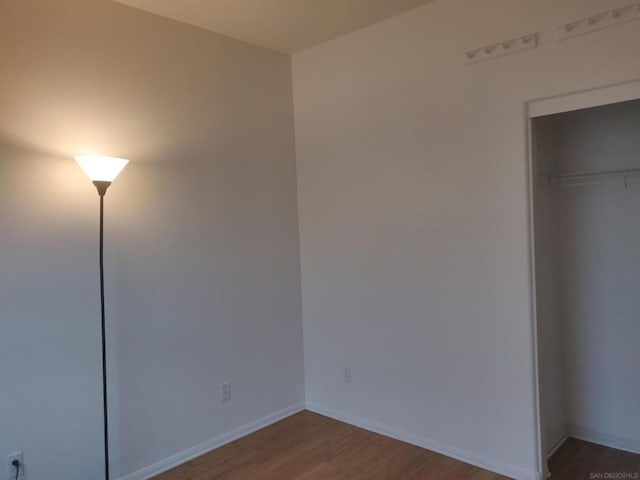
[[565, 178]]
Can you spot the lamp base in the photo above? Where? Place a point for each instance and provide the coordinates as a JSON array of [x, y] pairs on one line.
[[102, 187]]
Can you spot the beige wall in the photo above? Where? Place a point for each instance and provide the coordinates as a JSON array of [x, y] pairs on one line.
[[414, 217], [202, 263]]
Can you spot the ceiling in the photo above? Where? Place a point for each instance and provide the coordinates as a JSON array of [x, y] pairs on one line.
[[284, 25]]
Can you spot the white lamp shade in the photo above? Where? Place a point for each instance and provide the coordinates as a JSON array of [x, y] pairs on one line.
[[101, 169]]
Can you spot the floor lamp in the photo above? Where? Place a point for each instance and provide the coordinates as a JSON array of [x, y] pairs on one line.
[[102, 171]]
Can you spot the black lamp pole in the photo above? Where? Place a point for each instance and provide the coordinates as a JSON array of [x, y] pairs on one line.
[[102, 171], [102, 189]]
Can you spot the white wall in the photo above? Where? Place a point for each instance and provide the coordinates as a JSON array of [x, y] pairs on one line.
[[413, 198], [598, 232], [202, 262]]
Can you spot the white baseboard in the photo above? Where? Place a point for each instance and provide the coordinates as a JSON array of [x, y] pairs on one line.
[[216, 442], [486, 463], [604, 439], [483, 462], [560, 438]]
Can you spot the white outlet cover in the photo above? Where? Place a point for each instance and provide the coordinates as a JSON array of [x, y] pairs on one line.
[[225, 392], [11, 470]]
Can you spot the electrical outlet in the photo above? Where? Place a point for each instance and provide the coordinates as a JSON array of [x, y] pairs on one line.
[[225, 392], [11, 469], [346, 375]]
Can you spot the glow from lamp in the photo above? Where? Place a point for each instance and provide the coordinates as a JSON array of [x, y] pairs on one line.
[[101, 169]]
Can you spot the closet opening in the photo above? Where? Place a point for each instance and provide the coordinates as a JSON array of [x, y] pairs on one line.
[[585, 166]]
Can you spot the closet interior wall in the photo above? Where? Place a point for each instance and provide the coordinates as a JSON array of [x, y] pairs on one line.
[[587, 248]]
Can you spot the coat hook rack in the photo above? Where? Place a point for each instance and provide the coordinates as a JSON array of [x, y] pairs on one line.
[[506, 47], [602, 20]]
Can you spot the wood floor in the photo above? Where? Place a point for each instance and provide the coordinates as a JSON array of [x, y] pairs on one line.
[[308, 446], [579, 460]]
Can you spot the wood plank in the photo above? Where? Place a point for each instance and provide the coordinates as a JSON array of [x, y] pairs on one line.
[[308, 446], [577, 459]]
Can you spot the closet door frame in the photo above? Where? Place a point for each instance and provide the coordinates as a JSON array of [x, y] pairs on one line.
[[565, 102]]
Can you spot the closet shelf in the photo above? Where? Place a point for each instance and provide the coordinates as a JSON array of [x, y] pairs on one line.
[[587, 177]]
